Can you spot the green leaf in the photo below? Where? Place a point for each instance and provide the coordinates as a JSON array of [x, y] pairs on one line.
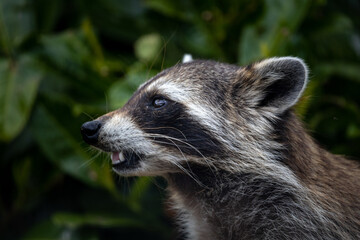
[[148, 47], [21, 173], [120, 92], [138, 190], [47, 13], [50, 231], [73, 72], [22, 176], [18, 89], [178, 9], [73, 221], [353, 131], [268, 36], [44, 230], [90, 35], [200, 41], [16, 23], [68, 52], [344, 69], [63, 150]]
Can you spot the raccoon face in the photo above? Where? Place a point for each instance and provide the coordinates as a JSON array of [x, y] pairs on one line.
[[199, 112]]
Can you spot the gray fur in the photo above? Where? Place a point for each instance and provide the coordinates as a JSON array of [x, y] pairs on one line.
[[267, 178]]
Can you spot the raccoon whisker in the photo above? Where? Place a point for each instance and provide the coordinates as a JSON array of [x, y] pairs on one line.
[[155, 135], [189, 173], [89, 161], [167, 128], [181, 167], [183, 142], [186, 160], [88, 115], [136, 154], [92, 150], [176, 139], [173, 140], [209, 164]]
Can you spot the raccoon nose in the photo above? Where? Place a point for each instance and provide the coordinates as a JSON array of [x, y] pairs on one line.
[[90, 131]]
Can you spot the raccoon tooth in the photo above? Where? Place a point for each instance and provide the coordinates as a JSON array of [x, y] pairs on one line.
[[121, 157], [115, 157]]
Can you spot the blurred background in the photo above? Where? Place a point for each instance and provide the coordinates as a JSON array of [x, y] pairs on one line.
[[64, 62]]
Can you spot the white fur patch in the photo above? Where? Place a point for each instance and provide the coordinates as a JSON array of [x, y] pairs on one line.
[[121, 133], [187, 58]]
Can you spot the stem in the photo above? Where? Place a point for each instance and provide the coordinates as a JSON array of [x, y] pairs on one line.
[[5, 39]]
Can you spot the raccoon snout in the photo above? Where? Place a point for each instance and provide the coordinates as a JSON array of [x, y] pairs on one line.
[[90, 131]]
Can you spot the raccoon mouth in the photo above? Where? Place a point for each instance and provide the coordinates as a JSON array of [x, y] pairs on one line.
[[124, 160]]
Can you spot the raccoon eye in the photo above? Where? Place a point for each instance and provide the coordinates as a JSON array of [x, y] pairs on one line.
[[159, 102]]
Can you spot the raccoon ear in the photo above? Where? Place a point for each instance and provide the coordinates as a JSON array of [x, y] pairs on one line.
[[281, 81]]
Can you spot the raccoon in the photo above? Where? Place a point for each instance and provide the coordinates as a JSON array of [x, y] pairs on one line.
[[238, 161]]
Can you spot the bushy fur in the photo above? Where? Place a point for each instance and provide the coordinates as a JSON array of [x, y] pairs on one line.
[[238, 162]]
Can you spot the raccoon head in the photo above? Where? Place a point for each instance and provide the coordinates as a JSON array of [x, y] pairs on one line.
[[201, 112]]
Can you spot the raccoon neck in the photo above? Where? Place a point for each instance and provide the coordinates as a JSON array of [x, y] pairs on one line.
[[238, 206], [309, 162], [319, 171], [299, 149]]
